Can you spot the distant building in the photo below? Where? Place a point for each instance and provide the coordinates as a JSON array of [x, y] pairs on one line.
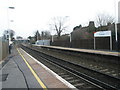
[[19, 38], [119, 12], [80, 32], [43, 42], [87, 32]]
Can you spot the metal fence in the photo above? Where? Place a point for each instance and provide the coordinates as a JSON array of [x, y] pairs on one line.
[[4, 48]]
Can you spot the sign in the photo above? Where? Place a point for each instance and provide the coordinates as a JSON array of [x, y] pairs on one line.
[[102, 34]]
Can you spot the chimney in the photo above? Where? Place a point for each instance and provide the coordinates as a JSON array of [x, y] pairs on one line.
[[91, 24]]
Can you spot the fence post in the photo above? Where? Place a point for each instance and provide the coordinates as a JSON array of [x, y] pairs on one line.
[[94, 43], [111, 43]]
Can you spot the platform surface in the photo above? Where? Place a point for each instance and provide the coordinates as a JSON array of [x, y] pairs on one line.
[[17, 74], [103, 52]]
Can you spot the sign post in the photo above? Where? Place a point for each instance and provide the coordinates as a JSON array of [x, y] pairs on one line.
[[103, 34], [94, 43], [70, 38], [52, 38]]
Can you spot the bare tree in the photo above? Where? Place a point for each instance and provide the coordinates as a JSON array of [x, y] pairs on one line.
[[11, 34], [59, 24], [29, 38], [19, 37], [37, 35], [103, 19], [45, 34]]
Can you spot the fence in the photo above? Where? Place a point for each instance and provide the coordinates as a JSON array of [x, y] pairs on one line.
[[4, 48], [101, 43]]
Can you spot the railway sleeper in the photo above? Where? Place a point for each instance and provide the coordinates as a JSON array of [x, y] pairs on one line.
[[74, 81]]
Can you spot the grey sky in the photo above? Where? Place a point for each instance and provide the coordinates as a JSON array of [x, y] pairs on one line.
[[32, 15]]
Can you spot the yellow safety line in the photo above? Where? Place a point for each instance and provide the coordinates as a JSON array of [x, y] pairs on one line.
[[33, 72]]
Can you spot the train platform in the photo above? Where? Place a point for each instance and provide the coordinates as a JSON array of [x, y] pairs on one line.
[[20, 70], [102, 52]]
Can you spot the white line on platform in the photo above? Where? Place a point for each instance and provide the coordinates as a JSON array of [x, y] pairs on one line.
[[49, 70]]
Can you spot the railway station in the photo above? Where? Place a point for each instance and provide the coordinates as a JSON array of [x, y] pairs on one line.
[[50, 45], [53, 67]]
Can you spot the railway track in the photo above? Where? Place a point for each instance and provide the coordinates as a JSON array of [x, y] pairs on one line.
[[76, 73], [107, 65]]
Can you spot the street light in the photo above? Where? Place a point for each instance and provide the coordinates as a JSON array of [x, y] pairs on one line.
[[116, 21], [9, 21], [9, 15]]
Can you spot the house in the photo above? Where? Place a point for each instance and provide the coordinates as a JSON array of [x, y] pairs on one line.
[[83, 32]]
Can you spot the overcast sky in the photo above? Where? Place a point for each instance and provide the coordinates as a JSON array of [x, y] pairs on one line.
[[32, 15]]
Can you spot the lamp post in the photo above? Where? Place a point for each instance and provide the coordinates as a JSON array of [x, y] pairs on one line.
[[116, 21], [52, 38], [11, 8], [70, 35]]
